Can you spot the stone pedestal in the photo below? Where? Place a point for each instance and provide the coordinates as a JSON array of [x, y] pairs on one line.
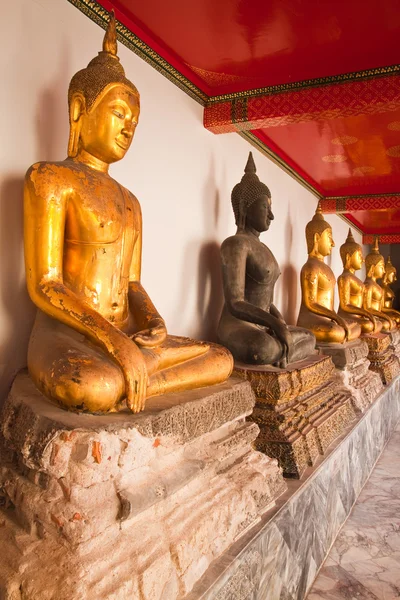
[[395, 342], [382, 357], [280, 557], [351, 360], [126, 506], [300, 410]]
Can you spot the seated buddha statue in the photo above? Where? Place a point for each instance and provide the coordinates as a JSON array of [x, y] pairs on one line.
[[251, 326], [375, 269], [98, 343], [389, 277], [318, 287], [351, 288]]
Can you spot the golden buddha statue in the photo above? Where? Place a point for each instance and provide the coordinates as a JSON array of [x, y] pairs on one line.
[[375, 269], [98, 342], [389, 277], [351, 288], [318, 287]]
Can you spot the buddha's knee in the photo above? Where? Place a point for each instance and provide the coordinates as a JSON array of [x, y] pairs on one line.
[[222, 361], [354, 331], [85, 385], [367, 326], [263, 350], [386, 326], [332, 333]]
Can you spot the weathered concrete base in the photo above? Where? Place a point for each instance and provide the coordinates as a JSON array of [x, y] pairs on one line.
[[279, 558], [382, 356], [353, 365], [126, 506], [300, 410]]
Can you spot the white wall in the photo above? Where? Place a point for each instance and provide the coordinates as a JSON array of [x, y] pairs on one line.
[[182, 175]]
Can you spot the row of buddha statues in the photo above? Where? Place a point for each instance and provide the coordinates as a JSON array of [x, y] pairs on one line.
[[98, 343]]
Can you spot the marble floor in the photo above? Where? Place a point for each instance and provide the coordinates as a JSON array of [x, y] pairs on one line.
[[364, 562]]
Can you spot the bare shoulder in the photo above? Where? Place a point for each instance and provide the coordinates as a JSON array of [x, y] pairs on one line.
[[235, 243], [45, 178]]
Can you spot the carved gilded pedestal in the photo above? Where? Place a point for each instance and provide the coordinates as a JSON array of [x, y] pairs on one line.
[[300, 410], [382, 356], [351, 361]]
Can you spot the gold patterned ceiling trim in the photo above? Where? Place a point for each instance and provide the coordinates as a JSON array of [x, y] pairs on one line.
[[360, 196], [308, 83], [99, 15]]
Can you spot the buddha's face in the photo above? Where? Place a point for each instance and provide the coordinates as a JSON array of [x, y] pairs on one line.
[[379, 270], [356, 260], [325, 242], [259, 214], [107, 130], [391, 277]]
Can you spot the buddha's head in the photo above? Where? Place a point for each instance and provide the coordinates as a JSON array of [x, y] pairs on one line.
[[319, 235], [351, 253], [251, 201], [374, 262], [103, 105], [390, 272]]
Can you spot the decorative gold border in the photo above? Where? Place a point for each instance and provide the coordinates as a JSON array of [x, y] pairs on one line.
[[360, 196], [99, 15], [307, 83]]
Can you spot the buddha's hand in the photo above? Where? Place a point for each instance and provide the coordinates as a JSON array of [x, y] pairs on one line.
[[153, 336], [375, 323], [285, 337], [343, 323], [133, 366]]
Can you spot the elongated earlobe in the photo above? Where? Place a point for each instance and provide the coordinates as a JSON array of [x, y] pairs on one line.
[[76, 110]]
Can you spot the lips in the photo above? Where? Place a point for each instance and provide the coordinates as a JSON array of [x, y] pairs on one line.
[[122, 145]]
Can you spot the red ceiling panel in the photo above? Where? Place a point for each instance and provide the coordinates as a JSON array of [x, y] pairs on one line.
[[233, 45], [351, 156]]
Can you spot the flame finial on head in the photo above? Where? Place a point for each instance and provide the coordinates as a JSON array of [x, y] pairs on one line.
[[110, 37], [375, 247], [350, 237], [348, 248]]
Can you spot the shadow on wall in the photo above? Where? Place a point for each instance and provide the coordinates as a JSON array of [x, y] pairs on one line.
[[208, 280], [17, 309], [289, 279]]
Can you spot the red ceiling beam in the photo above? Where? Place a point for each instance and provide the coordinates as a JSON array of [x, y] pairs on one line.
[[391, 238], [352, 204], [248, 112]]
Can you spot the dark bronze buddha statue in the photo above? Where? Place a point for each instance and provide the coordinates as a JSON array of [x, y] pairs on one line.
[[251, 326]]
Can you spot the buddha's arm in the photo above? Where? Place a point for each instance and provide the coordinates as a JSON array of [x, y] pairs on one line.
[[344, 299], [275, 313], [44, 223], [152, 329]]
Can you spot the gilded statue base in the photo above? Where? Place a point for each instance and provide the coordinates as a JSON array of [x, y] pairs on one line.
[[300, 410], [351, 361], [126, 506], [382, 357]]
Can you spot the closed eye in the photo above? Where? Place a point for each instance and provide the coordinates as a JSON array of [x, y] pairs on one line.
[[118, 114]]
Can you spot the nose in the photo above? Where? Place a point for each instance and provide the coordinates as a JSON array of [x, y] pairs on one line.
[[271, 215], [127, 130], [333, 244]]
